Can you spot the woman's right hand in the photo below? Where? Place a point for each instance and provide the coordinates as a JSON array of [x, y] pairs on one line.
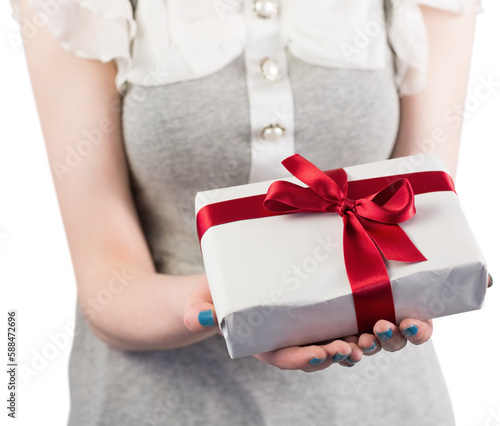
[[315, 357]]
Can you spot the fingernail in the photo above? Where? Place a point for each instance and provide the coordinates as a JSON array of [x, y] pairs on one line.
[[411, 331], [386, 335], [206, 318], [339, 357], [371, 348], [351, 361], [317, 361]]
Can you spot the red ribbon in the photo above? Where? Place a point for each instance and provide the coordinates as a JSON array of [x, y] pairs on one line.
[[371, 230], [370, 216]]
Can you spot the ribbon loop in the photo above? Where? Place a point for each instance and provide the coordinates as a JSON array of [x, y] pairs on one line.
[[333, 189]]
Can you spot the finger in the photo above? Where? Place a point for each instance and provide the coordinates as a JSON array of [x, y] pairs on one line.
[[307, 358], [199, 312], [389, 336], [369, 344], [416, 331], [340, 351], [294, 358], [354, 357]]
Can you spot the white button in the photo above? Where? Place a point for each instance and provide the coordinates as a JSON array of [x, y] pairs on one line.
[[270, 69], [266, 8], [272, 132]]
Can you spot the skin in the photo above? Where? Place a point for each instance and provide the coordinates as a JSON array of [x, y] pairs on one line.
[[153, 311]]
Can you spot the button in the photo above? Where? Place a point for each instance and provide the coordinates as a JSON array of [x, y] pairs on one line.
[[266, 8], [272, 132], [270, 69]]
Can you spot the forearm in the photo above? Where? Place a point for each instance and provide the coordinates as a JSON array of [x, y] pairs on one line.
[[428, 120], [133, 309]]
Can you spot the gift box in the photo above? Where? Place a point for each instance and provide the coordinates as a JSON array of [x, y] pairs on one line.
[[321, 255]]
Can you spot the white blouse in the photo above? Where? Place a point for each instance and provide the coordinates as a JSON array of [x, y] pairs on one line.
[[169, 41], [174, 40]]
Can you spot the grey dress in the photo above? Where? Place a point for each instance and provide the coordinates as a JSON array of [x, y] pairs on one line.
[[191, 136]]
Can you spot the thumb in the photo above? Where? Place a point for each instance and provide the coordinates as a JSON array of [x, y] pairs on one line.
[[199, 312]]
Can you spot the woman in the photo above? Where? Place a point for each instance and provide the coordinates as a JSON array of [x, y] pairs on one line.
[[142, 105]]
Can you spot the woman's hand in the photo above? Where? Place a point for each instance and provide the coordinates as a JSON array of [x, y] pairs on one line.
[[199, 312], [349, 351], [315, 357], [200, 317], [392, 338]]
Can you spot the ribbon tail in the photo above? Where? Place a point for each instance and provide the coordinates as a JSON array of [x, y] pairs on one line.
[[368, 277], [392, 241]]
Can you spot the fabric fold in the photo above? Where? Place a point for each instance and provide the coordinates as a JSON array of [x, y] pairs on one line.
[[91, 29], [408, 39]]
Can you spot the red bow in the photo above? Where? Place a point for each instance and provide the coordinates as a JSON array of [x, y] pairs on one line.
[[371, 230]]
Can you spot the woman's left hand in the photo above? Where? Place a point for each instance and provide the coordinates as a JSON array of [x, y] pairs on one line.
[[393, 338]]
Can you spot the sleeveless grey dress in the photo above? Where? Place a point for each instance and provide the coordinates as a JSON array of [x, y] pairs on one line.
[[191, 136]]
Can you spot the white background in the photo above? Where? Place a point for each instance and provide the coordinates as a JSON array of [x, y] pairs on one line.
[[36, 277]]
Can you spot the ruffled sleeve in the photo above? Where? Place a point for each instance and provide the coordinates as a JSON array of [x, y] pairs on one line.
[[408, 39], [91, 29]]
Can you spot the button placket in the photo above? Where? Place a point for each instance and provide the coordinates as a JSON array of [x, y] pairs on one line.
[[269, 91]]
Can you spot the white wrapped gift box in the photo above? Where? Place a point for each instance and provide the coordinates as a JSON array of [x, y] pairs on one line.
[[281, 281]]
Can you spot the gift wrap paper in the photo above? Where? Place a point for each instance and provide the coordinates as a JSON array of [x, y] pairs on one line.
[[281, 281]]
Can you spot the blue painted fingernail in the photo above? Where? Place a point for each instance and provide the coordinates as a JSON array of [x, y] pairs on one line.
[[386, 335], [317, 361], [371, 348], [339, 357], [351, 361], [206, 318], [411, 331]]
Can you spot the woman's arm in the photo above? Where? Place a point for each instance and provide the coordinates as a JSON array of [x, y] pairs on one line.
[[425, 123], [126, 303]]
